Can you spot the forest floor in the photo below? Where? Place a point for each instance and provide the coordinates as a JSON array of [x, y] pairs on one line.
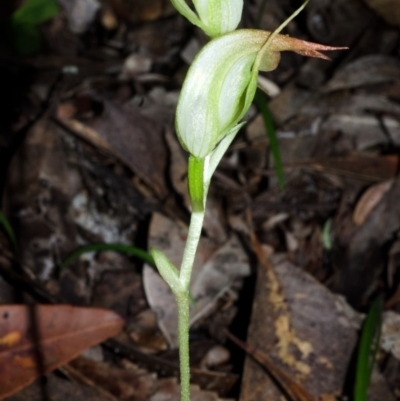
[[89, 155]]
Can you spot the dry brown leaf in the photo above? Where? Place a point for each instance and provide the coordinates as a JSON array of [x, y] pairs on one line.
[[296, 391], [368, 201], [133, 138], [302, 327], [37, 339]]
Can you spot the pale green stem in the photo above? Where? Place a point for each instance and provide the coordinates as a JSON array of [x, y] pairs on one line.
[[183, 333], [183, 301]]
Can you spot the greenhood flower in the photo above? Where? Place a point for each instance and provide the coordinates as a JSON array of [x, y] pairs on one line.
[[221, 84], [214, 17]]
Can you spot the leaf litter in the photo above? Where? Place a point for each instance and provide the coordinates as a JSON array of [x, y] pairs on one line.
[[62, 333], [95, 160]]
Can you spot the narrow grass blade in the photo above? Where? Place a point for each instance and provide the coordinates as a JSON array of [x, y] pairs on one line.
[[273, 140], [9, 231], [368, 348], [121, 248]]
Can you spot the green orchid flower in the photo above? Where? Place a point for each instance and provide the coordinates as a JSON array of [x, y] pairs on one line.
[[221, 84], [219, 89]]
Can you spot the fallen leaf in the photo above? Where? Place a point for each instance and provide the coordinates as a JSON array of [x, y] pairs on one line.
[[62, 332], [305, 330], [131, 137], [368, 201], [296, 391]]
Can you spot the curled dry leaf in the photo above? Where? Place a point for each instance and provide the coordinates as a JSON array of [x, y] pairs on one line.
[[37, 339], [371, 197]]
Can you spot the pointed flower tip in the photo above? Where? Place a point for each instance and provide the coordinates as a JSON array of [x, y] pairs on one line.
[[317, 54], [308, 49]]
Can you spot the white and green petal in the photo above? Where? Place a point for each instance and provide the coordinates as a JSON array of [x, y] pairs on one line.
[[211, 100]]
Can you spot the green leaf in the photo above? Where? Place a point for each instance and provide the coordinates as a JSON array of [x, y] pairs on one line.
[[25, 34], [35, 12], [273, 140], [368, 348], [9, 231], [167, 271], [121, 248]]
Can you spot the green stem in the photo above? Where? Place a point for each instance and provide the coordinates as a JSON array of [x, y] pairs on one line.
[[183, 300], [196, 223], [183, 332]]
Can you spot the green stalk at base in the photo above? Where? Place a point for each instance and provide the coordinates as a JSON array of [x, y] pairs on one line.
[[183, 300], [183, 333]]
